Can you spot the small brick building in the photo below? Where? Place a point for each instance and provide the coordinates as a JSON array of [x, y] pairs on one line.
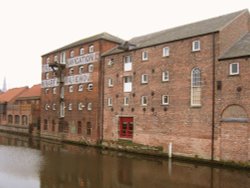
[[187, 87], [71, 100]]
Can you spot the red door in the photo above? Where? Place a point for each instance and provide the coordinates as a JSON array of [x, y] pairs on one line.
[[126, 127]]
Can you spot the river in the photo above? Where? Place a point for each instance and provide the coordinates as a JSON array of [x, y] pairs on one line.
[[33, 163]]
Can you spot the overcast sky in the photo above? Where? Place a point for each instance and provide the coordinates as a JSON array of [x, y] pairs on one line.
[[31, 28]]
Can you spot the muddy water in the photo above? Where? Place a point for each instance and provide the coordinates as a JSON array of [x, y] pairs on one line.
[[30, 163]]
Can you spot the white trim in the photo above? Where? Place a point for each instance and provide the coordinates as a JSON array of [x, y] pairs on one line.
[[144, 56], [163, 100], [196, 45], [110, 101], [164, 75], [110, 82], [144, 102], [144, 78], [231, 69], [126, 101], [165, 51]]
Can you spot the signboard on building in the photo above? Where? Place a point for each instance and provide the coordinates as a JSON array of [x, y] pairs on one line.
[[50, 83], [84, 59], [78, 79]]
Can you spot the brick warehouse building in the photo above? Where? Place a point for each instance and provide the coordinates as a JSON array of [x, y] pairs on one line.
[[70, 98], [185, 88]]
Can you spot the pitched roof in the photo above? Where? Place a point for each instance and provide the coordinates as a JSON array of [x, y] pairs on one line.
[[33, 92], [11, 94], [239, 49], [186, 31], [104, 35]]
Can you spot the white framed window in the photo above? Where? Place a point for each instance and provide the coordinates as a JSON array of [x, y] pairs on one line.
[[110, 102], [110, 82], [63, 58], [81, 69], [90, 67], [48, 60], [144, 100], [144, 56], [71, 89], [127, 86], [89, 107], [47, 91], [81, 51], [165, 76], [71, 71], [46, 75], [91, 49], [111, 62], [54, 90], [90, 87], [196, 45], [80, 87], [234, 69], [47, 106], [80, 106], [196, 87], [62, 92], [54, 106], [55, 59], [165, 100], [70, 106], [165, 51], [72, 53], [126, 101], [127, 63], [144, 78], [62, 109]]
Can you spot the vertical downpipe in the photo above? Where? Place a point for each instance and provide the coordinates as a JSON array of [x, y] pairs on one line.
[[213, 99]]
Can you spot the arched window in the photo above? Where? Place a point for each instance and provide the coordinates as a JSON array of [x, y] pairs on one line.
[[17, 119], [24, 120], [10, 119], [196, 87]]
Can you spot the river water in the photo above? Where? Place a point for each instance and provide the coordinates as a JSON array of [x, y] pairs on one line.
[[31, 163]]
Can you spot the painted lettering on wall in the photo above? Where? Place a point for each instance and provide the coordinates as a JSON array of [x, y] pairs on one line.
[[46, 68], [50, 83], [84, 59], [78, 79]]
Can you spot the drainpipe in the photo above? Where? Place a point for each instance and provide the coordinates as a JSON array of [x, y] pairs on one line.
[[213, 98]]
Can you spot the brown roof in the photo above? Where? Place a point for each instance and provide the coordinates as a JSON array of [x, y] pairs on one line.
[[11, 94], [104, 35], [182, 32], [33, 92], [239, 49]]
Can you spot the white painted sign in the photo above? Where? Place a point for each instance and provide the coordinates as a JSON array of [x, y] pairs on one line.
[[78, 79], [50, 83], [84, 59]]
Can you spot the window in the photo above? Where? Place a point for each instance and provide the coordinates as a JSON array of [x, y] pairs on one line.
[[71, 88], [234, 69], [144, 56], [89, 107], [80, 106], [144, 101], [70, 106], [127, 87], [110, 82], [17, 119], [109, 101], [63, 58], [196, 46], [71, 71], [24, 120], [45, 124], [80, 87], [10, 119], [165, 51], [62, 93], [91, 48], [125, 101], [79, 127], [53, 125], [91, 68], [80, 69], [62, 109], [72, 54], [54, 106], [144, 79], [127, 63], [47, 75], [165, 76], [81, 51], [47, 91], [89, 127], [90, 87], [165, 100], [54, 90], [55, 59], [111, 62], [48, 60], [47, 107], [196, 87]]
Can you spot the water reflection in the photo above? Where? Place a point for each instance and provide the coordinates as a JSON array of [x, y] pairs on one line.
[[58, 165]]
